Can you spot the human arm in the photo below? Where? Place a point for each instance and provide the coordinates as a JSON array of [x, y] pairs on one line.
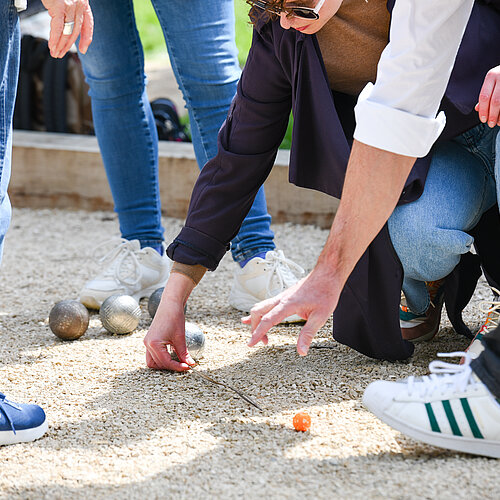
[[396, 122], [488, 106], [368, 198], [224, 192], [62, 11], [168, 326]]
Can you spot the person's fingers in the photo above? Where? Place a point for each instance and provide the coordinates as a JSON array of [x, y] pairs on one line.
[[69, 40], [87, 31], [69, 16], [182, 353], [150, 362], [56, 28], [246, 319], [162, 358], [307, 334], [273, 317], [260, 309], [485, 96], [494, 112]]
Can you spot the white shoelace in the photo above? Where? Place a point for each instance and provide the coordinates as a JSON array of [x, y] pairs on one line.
[[281, 267], [492, 308], [444, 376], [119, 255]]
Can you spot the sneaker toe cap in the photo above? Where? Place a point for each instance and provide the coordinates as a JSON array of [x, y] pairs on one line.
[[379, 395], [28, 417]]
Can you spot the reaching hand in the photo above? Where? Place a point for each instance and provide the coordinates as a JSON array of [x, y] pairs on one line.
[[168, 327], [69, 11], [313, 298], [488, 106]]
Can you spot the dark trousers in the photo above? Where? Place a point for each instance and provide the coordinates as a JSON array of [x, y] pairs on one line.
[[487, 365]]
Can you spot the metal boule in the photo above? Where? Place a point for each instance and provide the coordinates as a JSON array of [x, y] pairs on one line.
[[120, 314], [69, 319]]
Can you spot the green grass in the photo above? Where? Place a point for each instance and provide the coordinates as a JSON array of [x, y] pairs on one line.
[[154, 43], [152, 36]]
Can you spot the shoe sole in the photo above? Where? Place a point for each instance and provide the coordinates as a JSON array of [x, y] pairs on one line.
[[427, 337], [244, 302], [457, 443], [23, 436], [94, 300]]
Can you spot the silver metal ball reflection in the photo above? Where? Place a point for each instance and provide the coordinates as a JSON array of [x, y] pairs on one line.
[[120, 314], [195, 340], [69, 319], [154, 301]]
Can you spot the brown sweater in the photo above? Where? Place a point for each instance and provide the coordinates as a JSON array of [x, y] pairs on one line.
[[351, 43]]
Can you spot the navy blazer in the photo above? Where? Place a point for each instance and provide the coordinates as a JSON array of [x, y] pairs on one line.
[[285, 71]]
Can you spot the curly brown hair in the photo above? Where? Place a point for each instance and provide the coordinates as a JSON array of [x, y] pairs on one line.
[[257, 14]]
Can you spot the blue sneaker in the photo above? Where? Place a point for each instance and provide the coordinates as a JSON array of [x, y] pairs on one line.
[[20, 423]]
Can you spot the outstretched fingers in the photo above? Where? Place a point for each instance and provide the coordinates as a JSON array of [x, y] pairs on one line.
[[265, 315], [308, 332], [488, 106]]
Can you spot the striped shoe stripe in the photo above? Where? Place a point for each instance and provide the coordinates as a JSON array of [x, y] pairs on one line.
[[470, 418], [432, 418], [451, 418]]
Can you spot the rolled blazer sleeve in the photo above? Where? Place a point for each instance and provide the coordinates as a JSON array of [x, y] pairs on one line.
[[247, 145]]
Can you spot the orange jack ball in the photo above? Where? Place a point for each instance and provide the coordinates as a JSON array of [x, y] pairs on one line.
[[302, 421]]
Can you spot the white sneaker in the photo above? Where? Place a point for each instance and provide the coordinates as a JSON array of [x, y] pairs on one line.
[[261, 279], [451, 408], [129, 271], [492, 307]]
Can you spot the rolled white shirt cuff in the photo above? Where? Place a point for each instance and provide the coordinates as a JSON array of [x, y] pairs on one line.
[[395, 130]]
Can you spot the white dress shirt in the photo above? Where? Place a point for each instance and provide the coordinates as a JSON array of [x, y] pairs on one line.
[[398, 113]]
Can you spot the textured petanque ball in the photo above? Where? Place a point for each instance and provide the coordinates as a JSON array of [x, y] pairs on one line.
[[195, 340], [120, 314], [69, 319], [154, 301]]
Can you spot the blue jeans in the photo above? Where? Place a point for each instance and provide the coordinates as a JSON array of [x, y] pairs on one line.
[[200, 39], [9, 70], [429, 235]]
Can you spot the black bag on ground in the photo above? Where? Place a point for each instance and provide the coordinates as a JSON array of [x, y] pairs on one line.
[[52, 94], [167, 121]]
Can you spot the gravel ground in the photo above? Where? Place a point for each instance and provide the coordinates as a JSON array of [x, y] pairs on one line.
[[120, 430]]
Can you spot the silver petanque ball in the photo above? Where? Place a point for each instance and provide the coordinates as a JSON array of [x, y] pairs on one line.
[[120, 314], [69, 319], [154, 301], [195, 340]]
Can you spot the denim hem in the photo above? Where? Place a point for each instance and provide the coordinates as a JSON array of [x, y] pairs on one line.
[[150, 243], [248, 253]]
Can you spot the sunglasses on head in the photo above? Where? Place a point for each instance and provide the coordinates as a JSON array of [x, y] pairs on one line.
[[310, 13]]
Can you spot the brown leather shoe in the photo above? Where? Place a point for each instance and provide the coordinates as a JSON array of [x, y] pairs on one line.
[[423, 327]]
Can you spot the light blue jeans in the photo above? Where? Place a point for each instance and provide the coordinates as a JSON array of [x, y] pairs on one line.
[[9, 69], [200, 39], [430, 234]]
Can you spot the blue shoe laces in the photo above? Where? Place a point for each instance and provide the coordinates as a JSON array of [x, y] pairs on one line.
[[3, 402]]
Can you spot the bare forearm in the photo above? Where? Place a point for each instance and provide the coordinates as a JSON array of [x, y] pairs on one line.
[[178, 288], [372, 187]]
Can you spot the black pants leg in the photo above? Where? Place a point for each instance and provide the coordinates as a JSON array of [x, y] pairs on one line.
[[487, 365]]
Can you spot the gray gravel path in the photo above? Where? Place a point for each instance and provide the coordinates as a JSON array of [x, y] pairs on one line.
[[119, 430]]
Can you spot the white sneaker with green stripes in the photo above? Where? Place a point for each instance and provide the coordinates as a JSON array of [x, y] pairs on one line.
[[450, 408]]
